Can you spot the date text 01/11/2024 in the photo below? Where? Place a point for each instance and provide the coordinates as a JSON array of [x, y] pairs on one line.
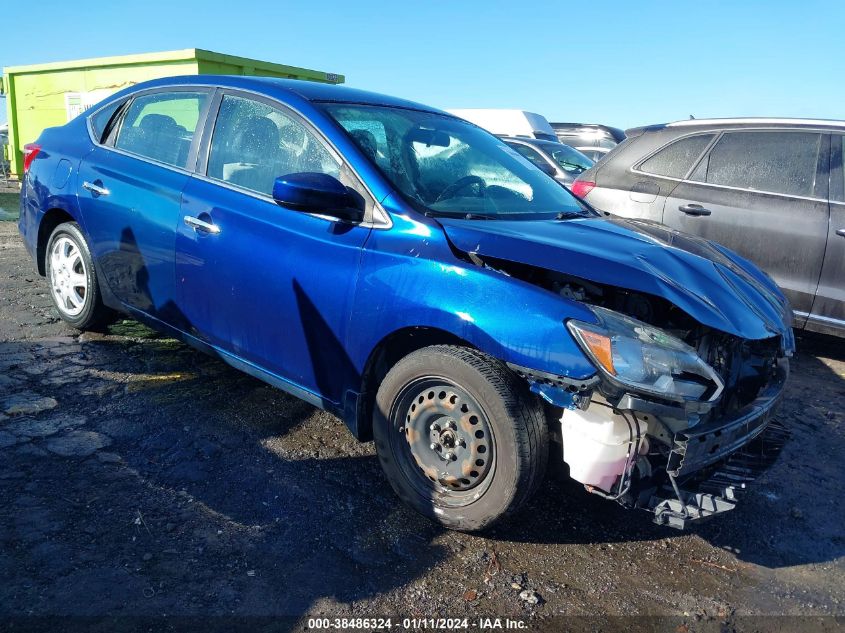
[[414, 624]]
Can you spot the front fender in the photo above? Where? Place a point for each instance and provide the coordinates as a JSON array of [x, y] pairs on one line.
[[412, 280]]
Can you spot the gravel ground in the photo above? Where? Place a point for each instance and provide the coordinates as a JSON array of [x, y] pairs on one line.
[[139, 477]]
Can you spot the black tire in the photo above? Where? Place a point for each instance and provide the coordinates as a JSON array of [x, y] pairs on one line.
[[93, 314], [497, 401]]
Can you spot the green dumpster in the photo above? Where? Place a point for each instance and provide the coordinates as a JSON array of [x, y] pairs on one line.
[[45, 95]]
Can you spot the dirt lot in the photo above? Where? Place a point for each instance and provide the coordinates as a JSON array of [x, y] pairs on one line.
[[139, 477]]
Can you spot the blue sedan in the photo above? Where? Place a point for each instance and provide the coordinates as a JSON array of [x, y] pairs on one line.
[[416, 276]]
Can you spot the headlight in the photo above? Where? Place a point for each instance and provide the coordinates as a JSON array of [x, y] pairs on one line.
[[645, 358]]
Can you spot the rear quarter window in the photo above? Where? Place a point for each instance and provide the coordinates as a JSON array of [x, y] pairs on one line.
[[101, 118], [676, 159]]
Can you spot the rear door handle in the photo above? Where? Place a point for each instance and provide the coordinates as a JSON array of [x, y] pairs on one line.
[[96, 188], [201, 226], [841, 232], [694, 209]]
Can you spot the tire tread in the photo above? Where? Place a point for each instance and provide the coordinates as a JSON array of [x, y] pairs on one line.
[[521, 406]]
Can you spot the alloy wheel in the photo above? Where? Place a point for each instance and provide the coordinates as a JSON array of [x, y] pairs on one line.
[[68, 276]]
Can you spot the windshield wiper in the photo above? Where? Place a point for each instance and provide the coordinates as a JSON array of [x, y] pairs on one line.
[[462, 216], [481, 216], [568, 215], [566, 163]]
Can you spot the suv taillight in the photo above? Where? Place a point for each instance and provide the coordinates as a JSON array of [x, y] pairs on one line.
[[582, 187], [30, 151]]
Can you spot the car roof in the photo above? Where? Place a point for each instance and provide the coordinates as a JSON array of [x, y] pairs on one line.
[[615, 132], [741, 122], [272, 86]]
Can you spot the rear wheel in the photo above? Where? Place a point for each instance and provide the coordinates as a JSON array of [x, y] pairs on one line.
[[73, 280], [461, 439]]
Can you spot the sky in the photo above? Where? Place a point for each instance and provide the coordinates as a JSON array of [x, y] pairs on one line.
[[619, 63]]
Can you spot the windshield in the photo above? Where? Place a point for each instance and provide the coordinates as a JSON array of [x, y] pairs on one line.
[[447, 166], [569, 159]]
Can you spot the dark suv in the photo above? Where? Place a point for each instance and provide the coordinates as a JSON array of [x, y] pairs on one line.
[[770, 189]]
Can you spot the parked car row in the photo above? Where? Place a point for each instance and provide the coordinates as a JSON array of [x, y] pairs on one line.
[[420, 278], [559, 161]]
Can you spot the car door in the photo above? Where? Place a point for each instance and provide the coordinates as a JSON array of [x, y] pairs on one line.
[[828, 313], [130, 189], [763, 194], [269, 285], [651, 180]]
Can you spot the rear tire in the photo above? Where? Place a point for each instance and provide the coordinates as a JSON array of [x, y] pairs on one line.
[[72, 278], [461, 438]]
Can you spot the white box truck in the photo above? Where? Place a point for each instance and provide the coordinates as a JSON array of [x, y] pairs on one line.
[[503, 122]]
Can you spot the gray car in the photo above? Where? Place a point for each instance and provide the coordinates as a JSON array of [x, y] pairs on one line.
[[561, 162], [770, 189]]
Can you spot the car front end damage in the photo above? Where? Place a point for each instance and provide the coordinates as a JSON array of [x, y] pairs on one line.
[[691, 348], [678, 434]]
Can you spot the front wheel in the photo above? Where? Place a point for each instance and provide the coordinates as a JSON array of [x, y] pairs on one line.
[[73, 281], [460, 437]]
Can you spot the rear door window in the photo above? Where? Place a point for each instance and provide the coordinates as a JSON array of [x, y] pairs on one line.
[[161, 126], [675, 159], [772, 161], [837, 174]]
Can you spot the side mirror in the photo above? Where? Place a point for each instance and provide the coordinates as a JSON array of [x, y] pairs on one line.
[[312, 192]]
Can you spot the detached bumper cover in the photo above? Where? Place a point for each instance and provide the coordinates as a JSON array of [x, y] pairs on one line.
[[722, 489]]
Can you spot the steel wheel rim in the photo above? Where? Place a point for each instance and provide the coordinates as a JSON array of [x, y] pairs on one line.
[[443, 441], [68, 276]]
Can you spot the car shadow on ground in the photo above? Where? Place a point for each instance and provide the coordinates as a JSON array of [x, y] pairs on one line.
[[207, 492], [793, 514], [215, 493]]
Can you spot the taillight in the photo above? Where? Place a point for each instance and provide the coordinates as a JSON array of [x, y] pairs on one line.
[[582, 187], [30, 151]]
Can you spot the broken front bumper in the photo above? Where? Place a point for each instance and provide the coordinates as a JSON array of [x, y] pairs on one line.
[[730, 454]]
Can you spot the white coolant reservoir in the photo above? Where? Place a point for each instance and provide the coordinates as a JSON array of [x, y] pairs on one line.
[[596, 444]]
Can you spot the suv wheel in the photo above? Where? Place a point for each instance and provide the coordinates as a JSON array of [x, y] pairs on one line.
[[461, 438], [72, 278]]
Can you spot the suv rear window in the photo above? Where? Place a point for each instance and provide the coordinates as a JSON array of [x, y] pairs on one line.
[[675, 159], [777, 162]]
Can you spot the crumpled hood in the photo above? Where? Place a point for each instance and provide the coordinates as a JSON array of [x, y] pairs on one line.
[[713, 285]]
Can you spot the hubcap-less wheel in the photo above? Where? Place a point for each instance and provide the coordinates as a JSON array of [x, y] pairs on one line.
[[445, 443], [68, 277]]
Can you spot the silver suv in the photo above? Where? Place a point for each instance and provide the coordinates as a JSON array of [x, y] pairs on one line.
[[770, 189]]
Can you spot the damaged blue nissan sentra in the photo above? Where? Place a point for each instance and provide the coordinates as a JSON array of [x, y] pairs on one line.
[[411, 273]]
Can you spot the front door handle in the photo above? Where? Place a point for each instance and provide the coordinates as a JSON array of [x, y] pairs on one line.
[[96, 188], [694, 209], [201, 226], [841, 232]]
